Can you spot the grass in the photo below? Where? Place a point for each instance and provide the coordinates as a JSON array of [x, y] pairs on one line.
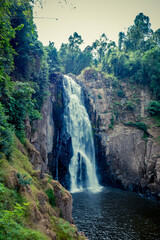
[[64, 230]]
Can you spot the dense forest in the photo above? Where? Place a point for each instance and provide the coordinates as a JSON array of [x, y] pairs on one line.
[[27, 68]]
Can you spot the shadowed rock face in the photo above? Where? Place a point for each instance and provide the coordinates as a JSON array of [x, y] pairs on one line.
[[41, 135], [124, 157], [63, 158]]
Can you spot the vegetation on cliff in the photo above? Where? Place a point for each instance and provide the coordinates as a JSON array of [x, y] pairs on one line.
[[32, 205]]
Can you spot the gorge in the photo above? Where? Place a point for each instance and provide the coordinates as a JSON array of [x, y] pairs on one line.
[[122, 153]]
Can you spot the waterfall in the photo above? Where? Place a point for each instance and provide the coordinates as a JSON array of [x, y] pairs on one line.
[[77, 124]]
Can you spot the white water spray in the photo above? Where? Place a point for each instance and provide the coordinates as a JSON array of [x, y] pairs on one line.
[[77, 123]]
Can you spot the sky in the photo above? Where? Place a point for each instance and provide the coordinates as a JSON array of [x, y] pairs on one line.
[[90, 18]]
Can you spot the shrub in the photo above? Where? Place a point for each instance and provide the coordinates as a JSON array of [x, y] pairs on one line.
[[115, 83], [64, 230], [154, 108], [8, 198], [111, 125], [140, 125], [99, 97], [120, 93], [6, 135], [51, 197], [130, 106], [23, 181], [11, 226]]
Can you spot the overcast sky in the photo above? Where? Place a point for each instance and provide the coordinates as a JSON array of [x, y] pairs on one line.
[[91, 18]]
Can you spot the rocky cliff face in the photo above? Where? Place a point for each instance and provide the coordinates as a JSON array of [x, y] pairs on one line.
[[128, 155], [41, 135]]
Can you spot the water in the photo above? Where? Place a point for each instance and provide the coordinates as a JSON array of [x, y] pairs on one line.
[[77, 124], [113, 214]]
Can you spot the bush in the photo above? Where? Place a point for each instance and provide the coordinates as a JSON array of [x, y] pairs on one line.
[[11, 226], [8, 198], [111, 125], [23, 181], [6, 135], [64, 230], [154, 108], [130, 106], [99, 97], [120, 93], [140, 125], [51, 197]]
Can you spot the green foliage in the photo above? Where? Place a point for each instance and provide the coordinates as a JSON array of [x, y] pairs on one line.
[[140, 125], [120, 93], [8, 198], [138, 55], [7, 33], [22, 52], [151, 69], [51, 197], [12, 215], [115, 83], [23, 180], [64, 230], [99, 49], [20, 105], [157, 120], [53, 60], [154, 108], [72, 58], [6, 134], [99, 97], [11, 225], [130, 106], [111, 125], [116, 62]]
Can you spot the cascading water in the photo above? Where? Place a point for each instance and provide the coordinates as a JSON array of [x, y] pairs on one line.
[[77, 124]]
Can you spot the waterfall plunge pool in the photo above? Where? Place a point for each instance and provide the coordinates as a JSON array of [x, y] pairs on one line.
[[114, 214]]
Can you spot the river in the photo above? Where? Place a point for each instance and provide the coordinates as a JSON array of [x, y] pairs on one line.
[[114, 214]]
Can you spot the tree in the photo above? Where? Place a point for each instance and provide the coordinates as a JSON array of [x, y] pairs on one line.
[[138, 33], [99, 48], [121, 38], [151, 68], [53, 60], [75, 41], [156, 37], [73, 58]]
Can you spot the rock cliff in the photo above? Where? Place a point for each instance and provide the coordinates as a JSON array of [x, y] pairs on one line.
[[126, 137]]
